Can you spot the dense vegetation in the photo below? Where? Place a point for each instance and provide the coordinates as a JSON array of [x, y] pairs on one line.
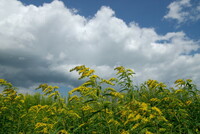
[[101, 106]]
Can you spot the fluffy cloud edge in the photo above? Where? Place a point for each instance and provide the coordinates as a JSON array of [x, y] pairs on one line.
[[183, 11]]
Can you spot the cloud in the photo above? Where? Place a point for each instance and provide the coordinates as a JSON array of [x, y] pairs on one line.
[[183, 11], [41, 44]]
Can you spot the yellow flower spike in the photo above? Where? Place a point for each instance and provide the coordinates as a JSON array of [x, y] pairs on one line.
[[22, 101], [86, 108], [124, 132], [45, 119], [94, 76], [8, 91], [144, 106], [131, 71], [114, 122], [123, 113], [17, 97], [110, 89], [189, 80], [162, 85], [61, 110], [56, 87], [79, 89], [179, 82], [108, 82], [47, 89], [162, 118], [2, 81], [83, 70], [155, 100], [6, 99], [145, 120], [75, 97], [137, 117], [117, 94], [78, 68], [42, 86], [38, 125], [56, 93], [148, 132], [188, 102], [135, 126], [162, 129], [50, 126], [87, 73], [44, 107], [151, 116], [87, 83], [62, 132], [5, 83], [179, 91], [91, 72], [72, 113], [109, 111], [120, 69], [131, 116], [166, 99], [44, 131], [112, 79], [70, 92], [157, 110]]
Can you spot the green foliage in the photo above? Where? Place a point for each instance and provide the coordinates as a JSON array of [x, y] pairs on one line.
[[97, 107]]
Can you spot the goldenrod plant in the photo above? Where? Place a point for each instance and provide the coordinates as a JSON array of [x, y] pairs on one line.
[[102, 106]]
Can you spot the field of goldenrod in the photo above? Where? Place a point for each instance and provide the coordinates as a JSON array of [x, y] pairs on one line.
[[100, 106]]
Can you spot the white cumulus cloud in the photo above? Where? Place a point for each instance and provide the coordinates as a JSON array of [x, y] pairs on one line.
[[40, 44], [183, 11]]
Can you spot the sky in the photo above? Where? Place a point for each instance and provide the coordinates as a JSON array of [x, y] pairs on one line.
[[41, 40]]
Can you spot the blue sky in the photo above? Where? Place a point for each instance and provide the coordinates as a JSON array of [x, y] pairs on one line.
[[41, 40]]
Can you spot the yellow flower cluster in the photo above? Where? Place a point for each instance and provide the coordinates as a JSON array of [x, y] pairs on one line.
[[148, 132], [117, 94], [157, 110], [102, 106], [144, 106], [178, 91], [107, 82], [83, 71], [188, 102], [155, 100], [114, 122], [86, 108], [135, 126], [63, 132], [75, 97], [43, 127]]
